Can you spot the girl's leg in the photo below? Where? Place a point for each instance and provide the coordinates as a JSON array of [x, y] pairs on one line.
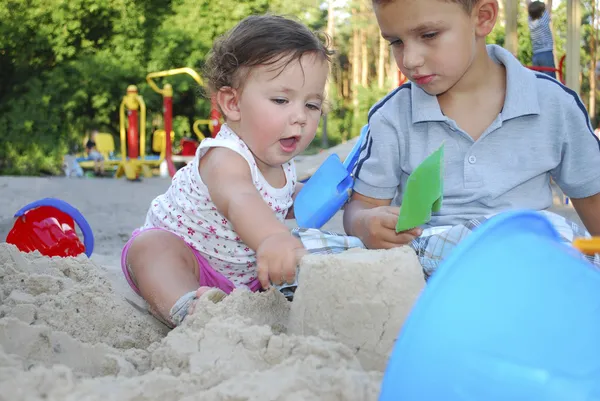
[[164, 270]]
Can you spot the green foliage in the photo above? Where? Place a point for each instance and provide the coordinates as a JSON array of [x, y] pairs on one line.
[[65, 66]]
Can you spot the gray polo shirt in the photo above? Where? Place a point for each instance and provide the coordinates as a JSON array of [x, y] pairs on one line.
[[542, 131]]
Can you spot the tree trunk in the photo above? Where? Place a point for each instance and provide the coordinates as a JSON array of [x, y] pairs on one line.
[[394, 72], [381, 63], [553, 32], [355, 68], [364, 78], [345, 85], [330, 33], [593, 52]]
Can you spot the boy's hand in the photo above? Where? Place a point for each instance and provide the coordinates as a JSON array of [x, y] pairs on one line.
[[277, 258], [376, 228]]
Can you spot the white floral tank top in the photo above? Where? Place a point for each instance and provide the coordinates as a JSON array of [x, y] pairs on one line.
[[187, 210]]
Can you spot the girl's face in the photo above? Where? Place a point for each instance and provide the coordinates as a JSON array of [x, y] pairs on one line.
[[279, 108]]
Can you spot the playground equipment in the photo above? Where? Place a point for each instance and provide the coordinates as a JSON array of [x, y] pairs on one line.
[[48, 226], [559, 71], [328, 189], [512, 314], [105, 144], [133, 138], [167, 94]]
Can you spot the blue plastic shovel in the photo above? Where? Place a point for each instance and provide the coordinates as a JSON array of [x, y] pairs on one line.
[[328, 189]]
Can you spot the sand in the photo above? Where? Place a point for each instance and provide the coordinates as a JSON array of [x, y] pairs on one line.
[[65, 334], [71, 329]]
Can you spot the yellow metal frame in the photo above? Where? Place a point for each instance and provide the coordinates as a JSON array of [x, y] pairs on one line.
[[159, 142], [168, 91], [134, 168], [132, 101], [168, 73], [199, 133]]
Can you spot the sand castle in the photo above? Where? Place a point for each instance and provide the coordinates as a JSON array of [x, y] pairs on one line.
[[66, 334]]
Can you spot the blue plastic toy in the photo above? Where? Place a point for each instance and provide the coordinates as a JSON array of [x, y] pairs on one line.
[[328, 189], [513, 314]]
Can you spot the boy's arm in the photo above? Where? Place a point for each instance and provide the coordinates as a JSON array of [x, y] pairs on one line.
[[377, 172], [376, 178], [588, 210], [229, 181], [577, 174], [357, 205]]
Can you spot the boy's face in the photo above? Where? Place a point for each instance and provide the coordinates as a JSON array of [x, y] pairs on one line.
[[433, 41]]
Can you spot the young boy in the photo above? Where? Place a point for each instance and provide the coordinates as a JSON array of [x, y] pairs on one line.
[[541, 36], [506, 131]]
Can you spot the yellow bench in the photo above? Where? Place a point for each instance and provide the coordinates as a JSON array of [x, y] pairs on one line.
[[105, 144]]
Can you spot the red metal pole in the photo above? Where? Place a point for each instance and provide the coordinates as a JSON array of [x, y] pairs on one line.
[[168, 117], [132, 134]]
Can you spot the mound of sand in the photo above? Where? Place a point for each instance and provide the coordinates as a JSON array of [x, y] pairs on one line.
[[65, 334]]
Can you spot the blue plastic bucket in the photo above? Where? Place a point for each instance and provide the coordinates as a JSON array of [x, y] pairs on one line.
[[328, 189], [512, 315]]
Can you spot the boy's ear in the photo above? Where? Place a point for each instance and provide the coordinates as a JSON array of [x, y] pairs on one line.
[[485, 14], [228, 101]]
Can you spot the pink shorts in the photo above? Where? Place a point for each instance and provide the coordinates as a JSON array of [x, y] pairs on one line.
[[207, 275]]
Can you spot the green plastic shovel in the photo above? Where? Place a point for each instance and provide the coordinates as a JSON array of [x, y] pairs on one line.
[[424, 191]]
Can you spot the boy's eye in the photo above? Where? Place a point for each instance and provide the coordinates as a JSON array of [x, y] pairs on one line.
[[312, 106], [279, 101], [430, 35], [396, 42]]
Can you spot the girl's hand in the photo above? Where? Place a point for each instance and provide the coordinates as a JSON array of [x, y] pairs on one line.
[[277, 258]]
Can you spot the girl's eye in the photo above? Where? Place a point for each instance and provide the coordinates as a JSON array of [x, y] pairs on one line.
[[430, 35], [279, 101], [313, 106]]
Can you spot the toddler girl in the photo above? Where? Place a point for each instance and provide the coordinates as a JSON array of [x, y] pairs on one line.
[[220, 225]]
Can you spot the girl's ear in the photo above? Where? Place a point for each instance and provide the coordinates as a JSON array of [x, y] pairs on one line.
[[228, 100]]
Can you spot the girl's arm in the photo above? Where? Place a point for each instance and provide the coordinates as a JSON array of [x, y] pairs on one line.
[[229, 181]]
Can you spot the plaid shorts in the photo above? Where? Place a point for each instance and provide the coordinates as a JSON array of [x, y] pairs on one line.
[[435, 244]]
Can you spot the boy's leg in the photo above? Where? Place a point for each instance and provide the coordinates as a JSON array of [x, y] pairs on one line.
[[322, 243], [433, 247], [165, 271]]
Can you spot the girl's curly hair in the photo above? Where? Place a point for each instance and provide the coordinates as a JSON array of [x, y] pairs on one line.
[[259, 40]]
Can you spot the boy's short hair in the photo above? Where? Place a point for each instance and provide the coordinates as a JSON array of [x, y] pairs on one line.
[[536, 9], [466, 4]]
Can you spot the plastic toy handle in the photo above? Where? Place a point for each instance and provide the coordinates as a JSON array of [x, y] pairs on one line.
[[88, 235], [352, 157], [587, 246]]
